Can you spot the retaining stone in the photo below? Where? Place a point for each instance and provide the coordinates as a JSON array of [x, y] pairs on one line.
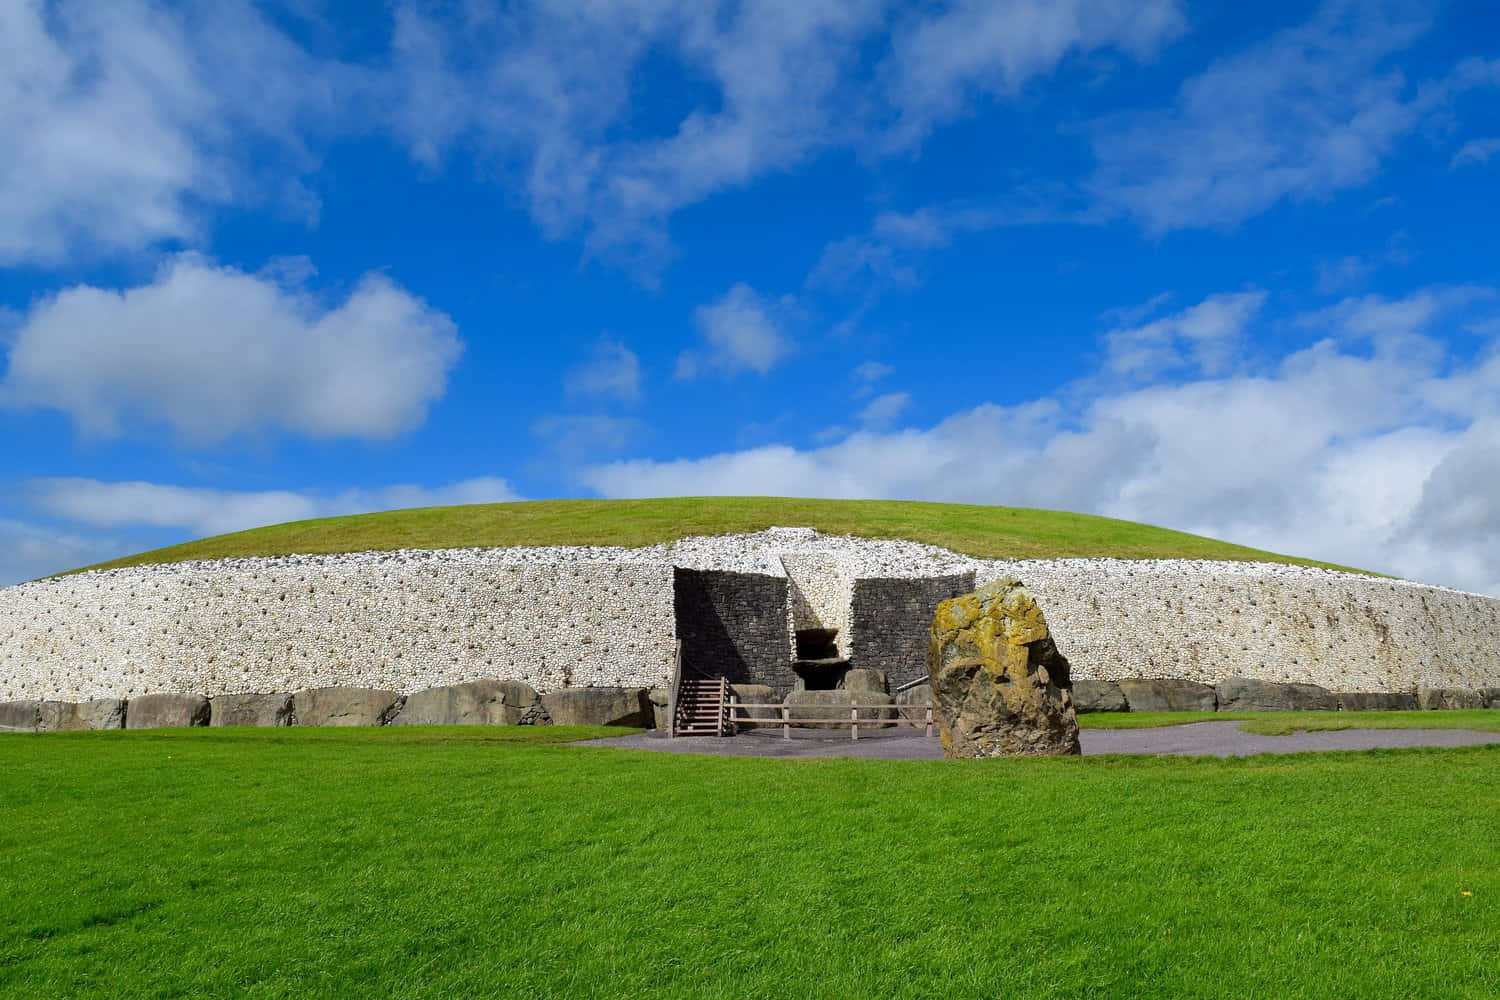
[[67, 716], [344, 706], [166, 711], [475, 703], [757, 694], [250, 710], [600, 706], [865, 679], [832, 704], [1244, 694], [20, 716], [660, 699], [1375, 701], [1167, 695], [1098, 696], [1448, 698]]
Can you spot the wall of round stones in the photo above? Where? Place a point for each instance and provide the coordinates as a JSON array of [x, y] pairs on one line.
[[218, 629], [820, 595], [1205, 621]]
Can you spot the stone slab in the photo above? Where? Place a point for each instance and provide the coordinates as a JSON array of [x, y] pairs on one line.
[[1167, 695], [250, 710], [805, 705], [1376, 701], [1244, 694], [166, 711], [912, 704], [487, 702], [599, 706], [344, 706], [1433, 698], [756, 694], [865, 679], [660, 699], [20, 716], [68, 716], [1098, 696]]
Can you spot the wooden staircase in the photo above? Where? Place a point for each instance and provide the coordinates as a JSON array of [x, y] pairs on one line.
[[702, 707]]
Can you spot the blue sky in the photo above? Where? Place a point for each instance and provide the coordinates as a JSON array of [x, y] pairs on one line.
[[1225, 268]]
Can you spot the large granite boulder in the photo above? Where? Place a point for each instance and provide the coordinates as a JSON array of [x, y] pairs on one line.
[[476, 703], [1448, 698], [756, 694], [343, 706], [1098, 696], [1167, 695], [1375, 701], [805, 707], [166, 711], [600, 706], [250, 710], [865, 679], [913, 703], [20, 716], [1000, 687], [1244, 694], [67, 716]]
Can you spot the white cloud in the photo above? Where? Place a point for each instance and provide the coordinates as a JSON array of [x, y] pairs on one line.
[[885, 409], [743, 332], [124, 119], [1310, 111], [1206, 336], [867, 373], [203, 511], [613, 371], [587, 437], [29, 551], [1371, 447], [981, 48], [1476, 151], [211, 351]]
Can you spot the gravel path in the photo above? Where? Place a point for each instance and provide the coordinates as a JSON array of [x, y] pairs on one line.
[[1213, 739]]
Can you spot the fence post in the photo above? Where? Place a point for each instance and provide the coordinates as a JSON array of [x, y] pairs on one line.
[[734, 715], [929, 721], [854, 723], [786, 722]]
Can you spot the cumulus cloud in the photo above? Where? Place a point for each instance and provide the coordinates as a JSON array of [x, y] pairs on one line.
[[743, 333], [203, 511], [885, 409], [1370, 446], [1206, 336], [612, 372], [1308, 112], [210, 351], [123, 119]]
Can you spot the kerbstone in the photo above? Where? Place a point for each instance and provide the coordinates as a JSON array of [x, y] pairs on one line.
[[1376, 701], [20, 716], [1491, 697], [1432, 698], [756, 694], [913, 703], [661, 702], [804, 706], [865, 679], [67, 716], [1000, 687], [344, 706], [1167, 695], [250, 710], [166, 711], [1243, 694], [1098, 696], [598, 706], [475, 703]]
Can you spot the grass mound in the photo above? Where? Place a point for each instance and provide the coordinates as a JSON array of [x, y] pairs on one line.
[[464, 863], [984, 532]]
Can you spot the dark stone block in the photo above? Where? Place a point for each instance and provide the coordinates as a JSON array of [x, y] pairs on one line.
[[67, 716], [166, 711], [1448, 698], [600, 706], [734, 625], [890, 622], [475, 703], [250, 710], [1167, 695], [1098, 696], [1244, 694], [344, 706], [20, 716], [1375, 701]]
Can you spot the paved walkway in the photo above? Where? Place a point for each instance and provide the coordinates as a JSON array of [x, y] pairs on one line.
[[1215, 739]]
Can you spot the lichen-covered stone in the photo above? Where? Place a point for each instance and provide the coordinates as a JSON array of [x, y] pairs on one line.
[[1244, 694], [1098, 696], [344, 706], [1376, 701], [1448, 698], [250, 710], [1168, 695], [67, 716], [1000, 686], [20, 716], [476, 703], [599, 706], [839, 705], [166, 711]]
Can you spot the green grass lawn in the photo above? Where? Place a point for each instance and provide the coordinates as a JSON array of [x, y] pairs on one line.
[[480, 862], [986, 532], [1281, 723]]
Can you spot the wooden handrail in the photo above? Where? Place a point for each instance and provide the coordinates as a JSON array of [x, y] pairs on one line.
[[672, 691]]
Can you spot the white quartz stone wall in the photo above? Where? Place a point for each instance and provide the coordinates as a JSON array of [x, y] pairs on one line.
[[268, 625], [821, 595], [604, 616], [1206, 621]]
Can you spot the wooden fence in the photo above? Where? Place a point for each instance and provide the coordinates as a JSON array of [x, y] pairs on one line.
[[852, 720]]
